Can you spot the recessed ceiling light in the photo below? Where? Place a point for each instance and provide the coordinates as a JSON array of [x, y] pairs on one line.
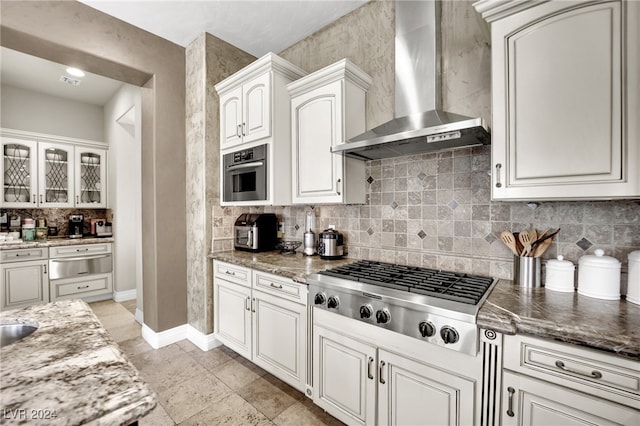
[[75, 72]]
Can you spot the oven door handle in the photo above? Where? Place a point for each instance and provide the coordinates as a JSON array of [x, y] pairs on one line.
[[245, 166]]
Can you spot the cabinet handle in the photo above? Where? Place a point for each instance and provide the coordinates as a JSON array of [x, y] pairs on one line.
[[77, 199], [593, 375], [338, 186], [81, 287], [381, 378], [45, 268], [23, 254], [511, 391], [230, 273], [369, 373], [247, 303], [34, 198], [279, 286], [41, 198], [244, 128], [498, 169], [238, 131], [253, 307]]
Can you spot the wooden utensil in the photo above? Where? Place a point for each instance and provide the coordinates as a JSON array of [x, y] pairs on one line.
[[541, 244], [509, 240], [526, 240]]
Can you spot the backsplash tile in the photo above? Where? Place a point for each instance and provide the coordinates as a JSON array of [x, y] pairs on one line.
[[441, 215]]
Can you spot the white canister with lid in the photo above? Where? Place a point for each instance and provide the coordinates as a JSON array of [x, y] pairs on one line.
[[559, 275], [633, 283], [599, 276]]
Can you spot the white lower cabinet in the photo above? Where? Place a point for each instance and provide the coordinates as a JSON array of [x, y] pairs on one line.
[[263, 317], [24, 284], [361, 383], [549, 383]]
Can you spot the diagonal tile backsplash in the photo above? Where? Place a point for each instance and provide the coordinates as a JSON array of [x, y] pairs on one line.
[[435, 210]]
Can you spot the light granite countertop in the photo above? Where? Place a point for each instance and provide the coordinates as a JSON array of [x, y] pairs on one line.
[[69, 367], [612, 326], [55, 242]]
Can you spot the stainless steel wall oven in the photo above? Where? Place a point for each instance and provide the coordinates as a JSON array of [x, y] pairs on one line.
[[245, 174]]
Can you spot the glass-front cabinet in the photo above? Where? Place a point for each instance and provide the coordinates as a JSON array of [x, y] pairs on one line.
[[19, 173], [90, 177], [51, 174], [55, 175]]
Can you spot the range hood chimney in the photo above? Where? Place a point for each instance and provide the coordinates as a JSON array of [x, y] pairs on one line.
[[420, 124]]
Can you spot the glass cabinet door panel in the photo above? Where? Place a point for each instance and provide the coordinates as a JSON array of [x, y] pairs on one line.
[[18, 172], [56, 176], [91, 177]]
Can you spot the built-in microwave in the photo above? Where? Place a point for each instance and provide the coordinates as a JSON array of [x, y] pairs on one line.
[[245, 175]]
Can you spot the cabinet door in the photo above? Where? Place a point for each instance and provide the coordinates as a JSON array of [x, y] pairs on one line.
[[19, 176], [317, 173], [256, 122], [23, 284], [91, 177], [232, 316], [411, 393], [529, 402], [55, 175], [231, 118], [279, 338], [344, 375], [561, 106]]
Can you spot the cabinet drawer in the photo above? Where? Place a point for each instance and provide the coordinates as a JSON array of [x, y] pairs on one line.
[[280, 286], [19, 255], [234, 273], [79, 250], [72, 288], [588, 370]]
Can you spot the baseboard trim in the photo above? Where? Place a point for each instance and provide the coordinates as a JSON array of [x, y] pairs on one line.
[[123, 296], [205, 342]]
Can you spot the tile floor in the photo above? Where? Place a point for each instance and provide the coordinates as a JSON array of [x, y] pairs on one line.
[[217, 387]]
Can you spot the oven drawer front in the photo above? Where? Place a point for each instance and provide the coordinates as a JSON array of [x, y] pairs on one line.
[[589, 370], [279, 286], [234, 273]]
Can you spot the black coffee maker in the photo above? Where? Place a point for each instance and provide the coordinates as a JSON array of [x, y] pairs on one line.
[[76, 225]]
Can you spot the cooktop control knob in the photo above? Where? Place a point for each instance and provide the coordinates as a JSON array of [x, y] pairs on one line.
[[333, 302], [449, 334], [426, 329], [383, 316], [366, 311], [320, 299]]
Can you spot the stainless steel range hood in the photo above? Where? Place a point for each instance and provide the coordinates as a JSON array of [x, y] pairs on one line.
[[420, 124]]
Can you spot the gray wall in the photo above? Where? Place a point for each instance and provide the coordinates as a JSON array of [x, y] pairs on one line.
[[71, 32], [31, 111]]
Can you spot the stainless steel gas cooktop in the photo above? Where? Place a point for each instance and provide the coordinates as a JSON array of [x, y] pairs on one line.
[[432, 305]]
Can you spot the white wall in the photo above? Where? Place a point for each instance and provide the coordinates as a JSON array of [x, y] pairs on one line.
[[23, 109], [122, 118]]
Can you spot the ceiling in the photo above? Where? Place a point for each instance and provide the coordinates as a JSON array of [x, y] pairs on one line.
[[257, 27]]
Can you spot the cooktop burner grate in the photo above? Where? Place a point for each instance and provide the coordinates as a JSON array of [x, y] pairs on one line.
[[458, 287]]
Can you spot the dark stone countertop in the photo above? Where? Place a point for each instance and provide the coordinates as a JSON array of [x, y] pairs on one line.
[[612, 326], [69, 366]]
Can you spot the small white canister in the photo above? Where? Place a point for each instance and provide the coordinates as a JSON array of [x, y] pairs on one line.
[[599, 276], [633, 283], [559, 275]]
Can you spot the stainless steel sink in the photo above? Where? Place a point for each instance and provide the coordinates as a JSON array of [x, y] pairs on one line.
[[10, 333]]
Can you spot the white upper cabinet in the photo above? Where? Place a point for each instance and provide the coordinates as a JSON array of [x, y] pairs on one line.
[[565, 99], [327, 108], [246, 112], [50, 171]]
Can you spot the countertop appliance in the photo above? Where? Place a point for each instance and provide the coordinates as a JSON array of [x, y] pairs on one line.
[[104, 229], [76, 226], [330, 244], [439, 307], [244, 175], [309, 240], [255, 232], [420, 124]]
